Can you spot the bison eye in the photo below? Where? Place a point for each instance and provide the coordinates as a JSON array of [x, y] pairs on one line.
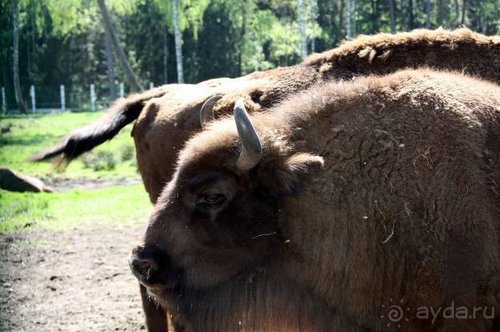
[[210, 199]]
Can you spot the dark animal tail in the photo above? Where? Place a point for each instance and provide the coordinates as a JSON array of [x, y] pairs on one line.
[[84, 139]]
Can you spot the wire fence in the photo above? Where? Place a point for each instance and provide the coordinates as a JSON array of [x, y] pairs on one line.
[[94, 102]]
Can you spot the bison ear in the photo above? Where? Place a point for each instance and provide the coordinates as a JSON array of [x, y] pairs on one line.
[[304, 164], [287, 178]]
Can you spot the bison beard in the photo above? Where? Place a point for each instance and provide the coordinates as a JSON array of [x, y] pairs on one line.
[[382, 188], [259, 302]]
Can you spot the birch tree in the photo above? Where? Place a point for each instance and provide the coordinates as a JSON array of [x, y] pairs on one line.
[[178, 41], [302, 22], [353, 18], [428, 14], [314, 17], [349, 19], [244, 6], [341, 15]]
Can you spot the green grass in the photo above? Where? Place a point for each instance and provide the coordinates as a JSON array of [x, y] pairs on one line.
[[23, 136], [31, 134], [61, 211]]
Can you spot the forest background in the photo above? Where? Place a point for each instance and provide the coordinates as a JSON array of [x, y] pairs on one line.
[[122, 46]]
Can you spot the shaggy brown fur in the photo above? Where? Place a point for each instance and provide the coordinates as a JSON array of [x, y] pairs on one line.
[[176, 114], [460, 49], [169, 114], [404, 207]]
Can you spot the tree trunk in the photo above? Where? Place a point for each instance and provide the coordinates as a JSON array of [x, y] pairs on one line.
[[353, 18], [411, 16], [314, 17], [303, 36], [462, 21], [131, 78], [165, 55], [341, 16], [428, 14], [374, 17], [440, 15], [242, 35], [349, 19], [178, 41], [481, 11], [15, 59], [393, 20], [31, 42], [111, 67]]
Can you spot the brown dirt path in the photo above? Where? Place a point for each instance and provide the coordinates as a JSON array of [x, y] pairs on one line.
[[76, 280], [62, 184]]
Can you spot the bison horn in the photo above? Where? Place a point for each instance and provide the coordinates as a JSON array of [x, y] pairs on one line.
[[251, 148], [206, 110]]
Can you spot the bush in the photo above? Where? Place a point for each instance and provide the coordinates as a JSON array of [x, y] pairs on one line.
[[6, 128], [127, 152], [100, 161]]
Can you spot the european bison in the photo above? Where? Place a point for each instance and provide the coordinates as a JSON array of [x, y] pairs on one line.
[[168, 115], [345, 198]]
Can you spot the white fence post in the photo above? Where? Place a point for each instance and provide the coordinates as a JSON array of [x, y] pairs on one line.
[[122, 90], [63, 99], [33, 99], [151, 85], [92, 97], [4, 102]]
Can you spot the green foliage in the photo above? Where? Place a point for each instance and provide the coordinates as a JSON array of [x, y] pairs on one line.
[[61, 42], [127, 152], [78, 16], [70, 16], [147, 36], [217, 49], [257, 38], [99, 161]]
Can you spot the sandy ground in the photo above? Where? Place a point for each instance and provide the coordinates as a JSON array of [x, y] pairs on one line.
[[75, 280]]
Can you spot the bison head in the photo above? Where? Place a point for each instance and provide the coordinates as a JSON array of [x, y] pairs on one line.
[[220, 216]]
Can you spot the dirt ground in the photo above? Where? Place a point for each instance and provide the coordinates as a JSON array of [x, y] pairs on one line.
[[61, 184], [76, 280]]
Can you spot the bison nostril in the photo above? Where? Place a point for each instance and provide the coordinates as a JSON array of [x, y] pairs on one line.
[[141, 267], [142, 264]]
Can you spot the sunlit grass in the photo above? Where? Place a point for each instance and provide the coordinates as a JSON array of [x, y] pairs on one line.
[[23, 136], [119, 204]]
